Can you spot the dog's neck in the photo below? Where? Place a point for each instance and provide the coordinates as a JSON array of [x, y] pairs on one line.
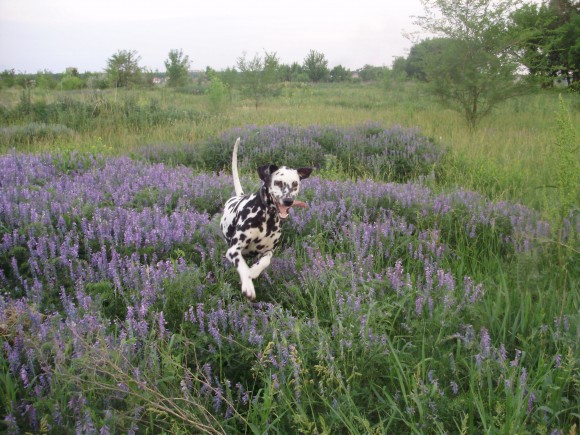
[[267, 199]]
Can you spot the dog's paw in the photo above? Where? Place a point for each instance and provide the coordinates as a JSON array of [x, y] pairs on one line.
[[262, 263], [248, 290]]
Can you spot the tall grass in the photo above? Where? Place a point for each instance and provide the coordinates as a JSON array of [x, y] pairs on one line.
[[505, 158]]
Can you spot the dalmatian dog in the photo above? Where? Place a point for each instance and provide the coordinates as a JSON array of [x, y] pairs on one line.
[[252, 224]]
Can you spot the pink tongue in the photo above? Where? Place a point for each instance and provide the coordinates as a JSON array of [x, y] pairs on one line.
[[284, 211]]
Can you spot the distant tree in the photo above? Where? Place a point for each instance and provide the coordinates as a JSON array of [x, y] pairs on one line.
[[217, 93], [418, 55], [258, 76], [177, 66], [537, 21], [476, 68], [45, 80], [7, 78], [369, 73], [316, 66], [553, 46], [229, 78], [72, 71], [285, 73], [271, 69], [339, 74], [293, 73], [567, 45], [123, 68], [71, 80], [399, 68]]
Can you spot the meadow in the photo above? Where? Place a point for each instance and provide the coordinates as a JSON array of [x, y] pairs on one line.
[[431, 286]]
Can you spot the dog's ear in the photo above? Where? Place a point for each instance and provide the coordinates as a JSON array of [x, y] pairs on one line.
[[265, 171], [304, 172]]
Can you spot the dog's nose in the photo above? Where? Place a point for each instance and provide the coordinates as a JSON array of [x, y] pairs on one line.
[[288, 202]]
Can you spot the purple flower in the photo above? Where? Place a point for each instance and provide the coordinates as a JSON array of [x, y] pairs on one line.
[[419, 305], [485, 343], [502, 353], [515, 362], [531, 401], [523, 377]]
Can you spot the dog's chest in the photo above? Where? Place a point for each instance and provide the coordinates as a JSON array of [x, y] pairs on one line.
[[251, 224]]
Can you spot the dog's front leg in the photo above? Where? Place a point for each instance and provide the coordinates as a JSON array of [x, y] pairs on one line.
[[261, 264], [234, 254]]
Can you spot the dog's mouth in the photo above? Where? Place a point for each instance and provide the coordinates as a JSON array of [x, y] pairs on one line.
[[284, 210]]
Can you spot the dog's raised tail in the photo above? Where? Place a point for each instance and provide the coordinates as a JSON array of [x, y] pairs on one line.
[[237, 184]]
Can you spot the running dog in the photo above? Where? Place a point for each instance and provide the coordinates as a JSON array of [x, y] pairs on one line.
[[252, 224]]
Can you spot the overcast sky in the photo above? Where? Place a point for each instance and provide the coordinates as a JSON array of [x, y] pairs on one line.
[[52, 35]]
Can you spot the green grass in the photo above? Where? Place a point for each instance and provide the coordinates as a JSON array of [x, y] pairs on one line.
[[506, 158]]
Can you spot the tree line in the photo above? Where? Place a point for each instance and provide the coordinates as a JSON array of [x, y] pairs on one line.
[[123, 69], [480, 54]]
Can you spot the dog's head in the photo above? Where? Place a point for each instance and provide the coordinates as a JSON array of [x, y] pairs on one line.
[[283, 185]]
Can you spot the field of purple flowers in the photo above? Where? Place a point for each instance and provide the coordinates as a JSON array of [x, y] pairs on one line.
[[390, 307], [368, 150]]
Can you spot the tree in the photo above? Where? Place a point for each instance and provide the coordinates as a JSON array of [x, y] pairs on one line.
[[177, 66], [45, 80], [123, 68], [534, 52], [258, 77], [7, 78], [293, 73], [553, 47], [339, 74], [229, 78], [415, 65], [476, 68], [399, 68], [316, 66], [369, 73], [567, 44], [72, 80], [217, 93]]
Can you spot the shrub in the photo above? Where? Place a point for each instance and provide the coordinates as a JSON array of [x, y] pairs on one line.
[[217, 95], [70, 83]]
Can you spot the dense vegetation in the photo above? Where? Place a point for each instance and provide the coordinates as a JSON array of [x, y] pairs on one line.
[[431, 285]]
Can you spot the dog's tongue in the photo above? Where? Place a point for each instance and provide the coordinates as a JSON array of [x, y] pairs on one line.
[[285, 211]]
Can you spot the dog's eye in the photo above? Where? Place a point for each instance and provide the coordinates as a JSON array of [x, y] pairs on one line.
[[294, 185], [278, 183]]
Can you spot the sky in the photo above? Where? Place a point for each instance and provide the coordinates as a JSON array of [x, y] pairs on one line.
[[38, 35]]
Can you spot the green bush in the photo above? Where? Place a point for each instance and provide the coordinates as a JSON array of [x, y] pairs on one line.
[[217, 94], [70, 83]]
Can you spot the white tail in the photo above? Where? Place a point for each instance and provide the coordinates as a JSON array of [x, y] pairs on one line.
[[237, 184]]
